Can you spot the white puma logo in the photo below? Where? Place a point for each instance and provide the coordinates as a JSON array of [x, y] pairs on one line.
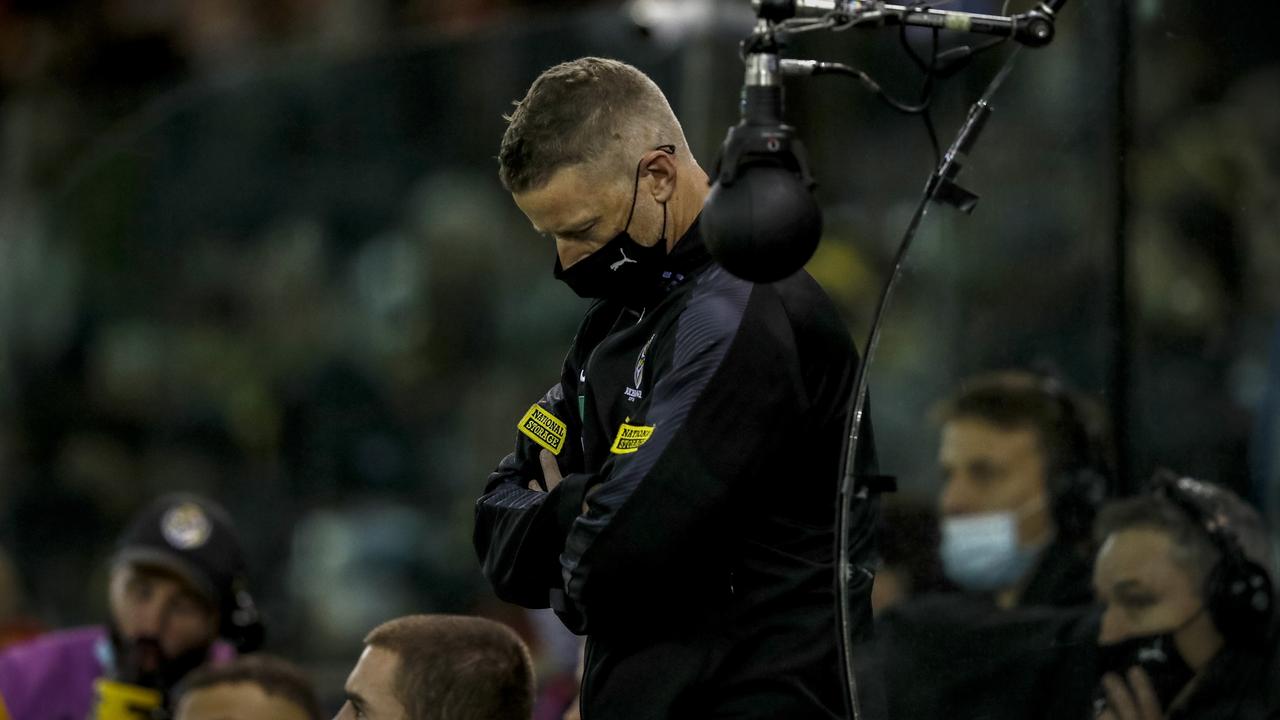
[[1155, 654], [621, 262]]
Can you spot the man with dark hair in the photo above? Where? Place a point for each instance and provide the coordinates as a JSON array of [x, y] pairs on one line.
[[672, 496], [255, 687], [423, 667], [1189, 630], [1025, 464], [178, 598]]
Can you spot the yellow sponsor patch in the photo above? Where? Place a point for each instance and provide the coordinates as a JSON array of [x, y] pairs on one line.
[[544, 428], [630, 438]]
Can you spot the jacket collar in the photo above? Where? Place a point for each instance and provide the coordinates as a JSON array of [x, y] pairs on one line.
[[687, 259]]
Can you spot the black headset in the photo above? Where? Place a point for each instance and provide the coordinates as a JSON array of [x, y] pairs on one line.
[[1238, 591], [1078, 482], [242, 623]]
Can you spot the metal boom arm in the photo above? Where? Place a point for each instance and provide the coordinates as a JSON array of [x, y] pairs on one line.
[[1033, 28]]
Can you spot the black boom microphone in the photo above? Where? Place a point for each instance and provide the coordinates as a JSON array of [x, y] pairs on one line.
[[761, 221]]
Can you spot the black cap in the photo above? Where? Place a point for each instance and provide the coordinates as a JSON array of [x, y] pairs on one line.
[[193, 538]]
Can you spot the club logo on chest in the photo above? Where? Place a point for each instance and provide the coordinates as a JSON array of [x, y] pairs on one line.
[[634, 392]]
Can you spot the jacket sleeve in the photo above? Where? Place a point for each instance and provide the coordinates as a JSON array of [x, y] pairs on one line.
[[653, 532], [519, 533]]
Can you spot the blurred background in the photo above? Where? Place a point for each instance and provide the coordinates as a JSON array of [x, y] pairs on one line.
[[258, 250]]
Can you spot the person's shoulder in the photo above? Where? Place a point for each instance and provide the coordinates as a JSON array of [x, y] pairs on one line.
[[716, 303], [799, 286], [794, 310], [1269, 676], [1246, 674], [58, 643], [802, 306], [937, 608], [807, 301], [42, 664], [977, 613], [716, 282]]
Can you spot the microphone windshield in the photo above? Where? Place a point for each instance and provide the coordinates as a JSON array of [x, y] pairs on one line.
[[765, 226]]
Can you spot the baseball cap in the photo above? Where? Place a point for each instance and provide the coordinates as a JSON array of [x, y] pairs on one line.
[[194, 538]]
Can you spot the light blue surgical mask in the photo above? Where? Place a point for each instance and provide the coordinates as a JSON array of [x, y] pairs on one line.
[[980, 552]]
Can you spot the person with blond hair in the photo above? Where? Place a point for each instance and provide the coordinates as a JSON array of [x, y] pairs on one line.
[[672, 495], [451, 667]]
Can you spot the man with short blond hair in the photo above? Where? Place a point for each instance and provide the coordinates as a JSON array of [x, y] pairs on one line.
[[672, 496], [592, 113], [441, 666]]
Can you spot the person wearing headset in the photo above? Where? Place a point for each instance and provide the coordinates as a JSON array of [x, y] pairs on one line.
[[178, 600], [1025, 464], [1189, 629]]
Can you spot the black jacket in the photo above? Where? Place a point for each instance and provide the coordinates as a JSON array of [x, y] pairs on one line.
[[955, 656], [704, 428], [1241, 683], [1063, 577]]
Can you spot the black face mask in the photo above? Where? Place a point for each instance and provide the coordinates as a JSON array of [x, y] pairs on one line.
[[1156, 654], [623, 269]]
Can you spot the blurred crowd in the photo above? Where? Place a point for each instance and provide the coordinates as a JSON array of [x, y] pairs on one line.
[[239, 244], [305, 395]]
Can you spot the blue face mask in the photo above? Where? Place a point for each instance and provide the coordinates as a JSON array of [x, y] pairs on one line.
[[980, 552]]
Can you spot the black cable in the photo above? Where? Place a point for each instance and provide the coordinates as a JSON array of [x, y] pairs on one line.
[[926, 94], [911, 52], [929, 128], [930, 71], [959, 57], [829, 68]]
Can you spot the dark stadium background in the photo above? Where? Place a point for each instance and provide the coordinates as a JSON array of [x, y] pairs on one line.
[[258, 249]]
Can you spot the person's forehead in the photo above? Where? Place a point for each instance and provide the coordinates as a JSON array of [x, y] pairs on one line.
[[1139, 558], [966, 437], [374, 673], [574, 194], [236, 701], [156, 574]]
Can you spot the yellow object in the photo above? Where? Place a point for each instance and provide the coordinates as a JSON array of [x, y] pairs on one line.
[[4, 712], [630, 438], [544, 428], [119, 701]]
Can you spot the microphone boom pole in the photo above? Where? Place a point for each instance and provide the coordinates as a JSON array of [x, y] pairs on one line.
[[747, 230], [1034, 28]]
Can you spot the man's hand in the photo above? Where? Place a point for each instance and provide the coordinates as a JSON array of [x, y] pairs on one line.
[[550, 472], [1133, 701], [551, 475]]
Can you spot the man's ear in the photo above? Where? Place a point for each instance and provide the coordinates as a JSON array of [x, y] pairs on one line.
[[661, 171]]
